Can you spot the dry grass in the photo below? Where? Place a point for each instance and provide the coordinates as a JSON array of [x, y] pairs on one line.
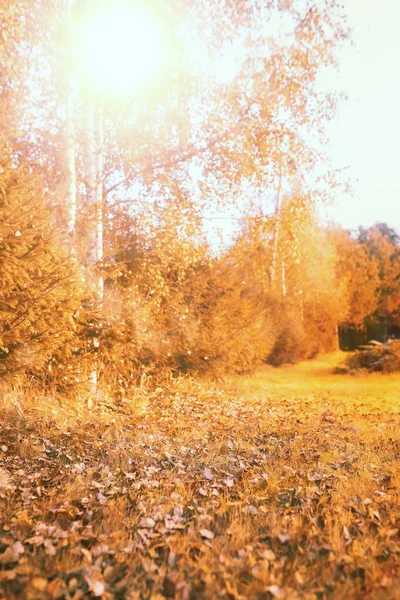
[[280, 485]]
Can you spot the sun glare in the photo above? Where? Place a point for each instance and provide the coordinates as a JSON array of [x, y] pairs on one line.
[[118, 49]]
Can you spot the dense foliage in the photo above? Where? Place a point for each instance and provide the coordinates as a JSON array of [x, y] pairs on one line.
[[369, 265], [39, 291], [169, 300], [38, 280]]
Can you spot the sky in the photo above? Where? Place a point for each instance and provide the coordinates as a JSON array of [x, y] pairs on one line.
[[365, 134]]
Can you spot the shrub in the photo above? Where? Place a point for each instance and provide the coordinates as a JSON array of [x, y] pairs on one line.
[[195, 315], [290, 346], [376, 357], [38, 293]]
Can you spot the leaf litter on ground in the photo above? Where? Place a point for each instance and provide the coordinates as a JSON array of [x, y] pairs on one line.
[[245, 489]]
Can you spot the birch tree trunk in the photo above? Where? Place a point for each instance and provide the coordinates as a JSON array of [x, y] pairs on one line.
[[276, 231], [70, 133], [89, 163], [93, 176], [93, 165], [99, 163], [301, 305], [283, 270]]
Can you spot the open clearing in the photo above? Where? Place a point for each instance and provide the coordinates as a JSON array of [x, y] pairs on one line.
[[281, 485]]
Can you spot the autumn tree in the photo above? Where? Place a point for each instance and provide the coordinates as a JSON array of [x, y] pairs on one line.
[[240, 126], [218, 119], [38, 290], [245, 105], [358, 270], [382, 246], [305, 297]]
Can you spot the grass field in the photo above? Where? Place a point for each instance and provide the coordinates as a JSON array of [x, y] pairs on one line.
[[281, 485]]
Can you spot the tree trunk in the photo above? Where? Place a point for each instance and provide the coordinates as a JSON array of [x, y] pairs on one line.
[[283, 279], [93, 177], [301, 305], [99, 160], [93, 164], [70, 135], [89, 161], [276, 231]]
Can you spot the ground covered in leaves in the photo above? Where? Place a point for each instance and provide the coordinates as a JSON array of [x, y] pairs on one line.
[[284, 485]]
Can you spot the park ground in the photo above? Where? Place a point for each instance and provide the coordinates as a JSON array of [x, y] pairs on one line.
[[283, 485]]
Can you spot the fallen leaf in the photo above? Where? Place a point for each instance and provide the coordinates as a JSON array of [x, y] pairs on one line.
[[35, 540], [171, 559], [208, 475], [315, 477], [39, 583], [50, 549], [9, 575], [283, 538], [87, 555], [250, 510], [275, 590], [299, 578], [346, 533], [73, 584], [98, 588], [206, 533], [386, 581], [12, 553], [269, 555], [147, 523], [5, 479], [228, 482]]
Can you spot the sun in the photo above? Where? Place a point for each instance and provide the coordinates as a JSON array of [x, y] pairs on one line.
[[118, 49]]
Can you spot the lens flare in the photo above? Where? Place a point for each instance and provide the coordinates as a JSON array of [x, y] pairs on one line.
[[118, 49]]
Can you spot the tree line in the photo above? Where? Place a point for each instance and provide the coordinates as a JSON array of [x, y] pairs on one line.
[[281, 291]]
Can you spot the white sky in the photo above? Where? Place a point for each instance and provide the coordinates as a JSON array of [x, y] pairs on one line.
[[366, 133]]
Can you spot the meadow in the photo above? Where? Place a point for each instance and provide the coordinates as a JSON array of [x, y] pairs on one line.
[[283, 485]]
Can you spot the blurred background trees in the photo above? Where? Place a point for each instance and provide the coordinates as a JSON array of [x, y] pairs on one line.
[[235, 125], [371, 260]]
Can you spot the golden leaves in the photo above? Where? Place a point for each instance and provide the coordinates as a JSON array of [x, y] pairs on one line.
[[245, 489]]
